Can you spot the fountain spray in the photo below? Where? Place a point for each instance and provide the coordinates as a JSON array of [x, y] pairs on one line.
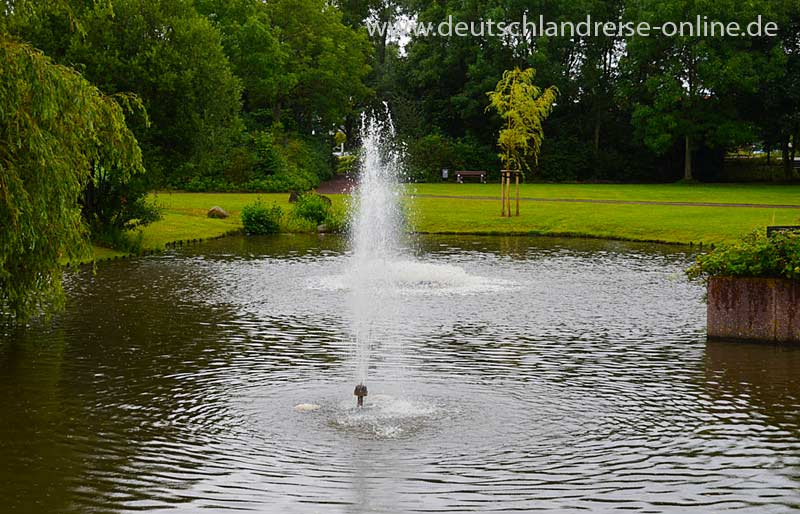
[[376, 230]]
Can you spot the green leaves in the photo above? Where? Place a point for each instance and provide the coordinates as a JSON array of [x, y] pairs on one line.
[[523, 106], [258, 219], [756, 255], [59, 126]]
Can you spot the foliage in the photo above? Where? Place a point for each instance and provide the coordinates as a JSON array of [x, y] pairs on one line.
[[347, 165], [426, 156], [299, 63], [258, 219], [312, 207], [686, 90], [169, 56], [271, 162], [319, 210], [754, 256], [523, 106], [113, 205], [55, 127], [626, 101]]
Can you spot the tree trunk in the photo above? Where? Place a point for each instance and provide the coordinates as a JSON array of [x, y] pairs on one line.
[[597, 136], [276, 112], [787, 163], [687, 161]]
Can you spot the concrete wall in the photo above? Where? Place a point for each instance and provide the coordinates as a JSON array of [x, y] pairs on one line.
[[761, 309]]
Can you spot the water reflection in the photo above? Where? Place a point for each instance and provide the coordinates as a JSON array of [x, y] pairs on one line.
[[571, 376]]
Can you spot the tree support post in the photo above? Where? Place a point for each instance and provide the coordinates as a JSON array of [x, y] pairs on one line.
[[505, 191], [503, 175]]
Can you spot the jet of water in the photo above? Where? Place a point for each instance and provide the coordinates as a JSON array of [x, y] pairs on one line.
[[376, 231]]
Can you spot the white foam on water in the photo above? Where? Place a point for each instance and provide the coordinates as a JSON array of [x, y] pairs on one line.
[[412, 278], [384, 417], [306, 407]]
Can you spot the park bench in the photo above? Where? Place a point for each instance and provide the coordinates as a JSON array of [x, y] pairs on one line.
[[782, 228], [481, 175]]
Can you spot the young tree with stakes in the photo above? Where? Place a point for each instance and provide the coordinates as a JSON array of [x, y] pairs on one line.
[[523, 106]]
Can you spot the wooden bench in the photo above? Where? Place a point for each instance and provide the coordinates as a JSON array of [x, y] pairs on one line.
[[464, 173]]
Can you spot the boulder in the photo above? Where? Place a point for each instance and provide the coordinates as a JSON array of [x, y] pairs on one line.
[[217, 212]]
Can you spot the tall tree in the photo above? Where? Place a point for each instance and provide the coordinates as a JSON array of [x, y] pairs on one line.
[[55, 127], [687, 89], [165, 52]]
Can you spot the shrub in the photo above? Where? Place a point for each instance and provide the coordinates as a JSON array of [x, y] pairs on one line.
[[259, 219], [346, 165], [313, 207], [755, 256], [268, 162], [113, 205]]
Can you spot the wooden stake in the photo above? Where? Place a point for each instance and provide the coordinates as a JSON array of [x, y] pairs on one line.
[[516, 175], [502, 194], [508, 194]]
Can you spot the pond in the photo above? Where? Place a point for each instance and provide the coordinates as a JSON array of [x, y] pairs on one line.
[[506, 374]]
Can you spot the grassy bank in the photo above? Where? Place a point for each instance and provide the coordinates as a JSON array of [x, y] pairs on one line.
[[678, 192], [185, 218], [669, 224], [185, 213]]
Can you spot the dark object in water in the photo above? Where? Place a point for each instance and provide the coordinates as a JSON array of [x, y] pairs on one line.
[[360, 392]]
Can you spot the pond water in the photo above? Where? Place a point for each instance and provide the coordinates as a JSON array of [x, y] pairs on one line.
[[525, 374]]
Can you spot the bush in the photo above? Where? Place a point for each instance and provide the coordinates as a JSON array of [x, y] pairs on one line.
[[258, 219], [269, 162], [756, 255], [113, 205], [347, 165], [313, 207]]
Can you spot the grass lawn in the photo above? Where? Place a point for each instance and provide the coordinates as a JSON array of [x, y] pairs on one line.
[[663, 223], [185, 213], [678, 192], [185, 219]]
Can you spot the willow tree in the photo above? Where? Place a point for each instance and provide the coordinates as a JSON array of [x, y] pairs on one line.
[[523, 106], [54, 127]]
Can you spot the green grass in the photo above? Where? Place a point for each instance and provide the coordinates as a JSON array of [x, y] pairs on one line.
[[669, 224], [678, 192], [185, 219], [185, 213]]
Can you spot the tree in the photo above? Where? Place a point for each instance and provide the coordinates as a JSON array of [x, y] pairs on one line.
[[688, 90], [167, 54], [523, 106], [259, 58], [55, 126], [328, 61]]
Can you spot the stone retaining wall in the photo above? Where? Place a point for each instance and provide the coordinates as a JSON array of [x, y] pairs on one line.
[[760, 309]]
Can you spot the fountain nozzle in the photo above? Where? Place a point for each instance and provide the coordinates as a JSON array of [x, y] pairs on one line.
[[360, 392]]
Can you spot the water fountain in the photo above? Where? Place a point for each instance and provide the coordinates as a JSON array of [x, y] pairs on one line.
[[376, 233]]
